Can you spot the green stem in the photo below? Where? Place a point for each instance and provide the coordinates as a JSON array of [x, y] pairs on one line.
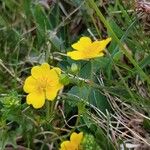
[[48, 112], [52, 107], [77, 121], [80, 105]]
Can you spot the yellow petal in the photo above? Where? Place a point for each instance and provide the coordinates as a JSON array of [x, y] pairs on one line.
[[54, 73], [101, 45], [30, 85], [96, 55], [36, 72], [76, 55], [37, 99], [67, 145], [40, 71], [100, 54], [45, 66], [53, 76], [82, 43], [76, 138], [57, 70], [51, 92]]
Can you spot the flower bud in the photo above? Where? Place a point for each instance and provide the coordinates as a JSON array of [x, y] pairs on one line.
[[74, 68], [64, 79]]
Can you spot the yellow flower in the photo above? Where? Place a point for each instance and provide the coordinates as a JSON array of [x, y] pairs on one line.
[[42, 84], [74, 143], [86, 49]]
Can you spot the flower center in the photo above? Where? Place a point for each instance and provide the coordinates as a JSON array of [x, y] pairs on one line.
[[88, 51], [42, 84]]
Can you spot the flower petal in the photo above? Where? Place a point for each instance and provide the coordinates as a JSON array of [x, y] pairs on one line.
[[53, 77], [82, 43], [30, 85], [95, 55], [37, 99], [76, 138], [53, 85], [40, 71], [67, 145], [76, 55], [100, 54], [51, 92], [54, 73], [101, 45], [45, 66]]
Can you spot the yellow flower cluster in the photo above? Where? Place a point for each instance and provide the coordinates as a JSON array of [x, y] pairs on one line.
[[74, 143], [44, 82]]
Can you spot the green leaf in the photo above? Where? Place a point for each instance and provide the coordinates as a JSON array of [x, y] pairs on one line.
[[92, 96], [99, 100], [82, 92], [85, 71]]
